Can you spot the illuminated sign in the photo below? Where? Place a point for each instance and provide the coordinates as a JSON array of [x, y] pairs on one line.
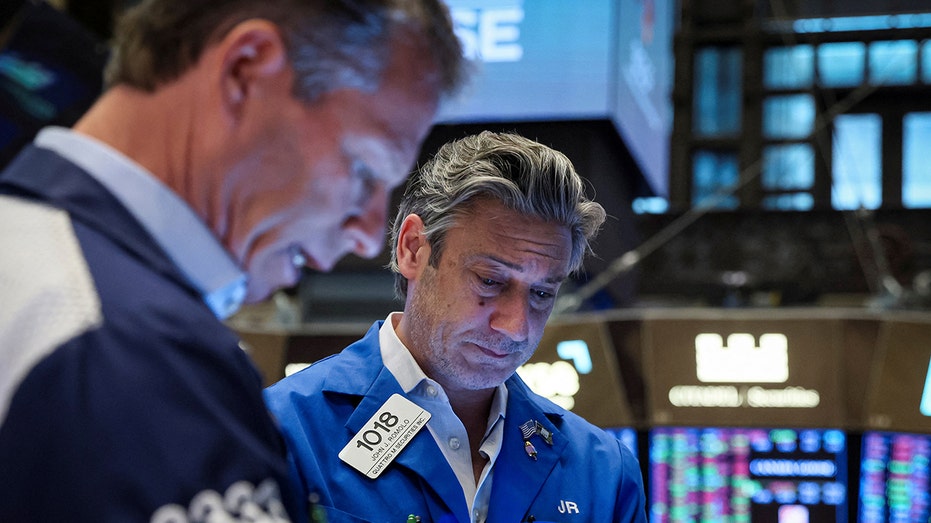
[[559, 381], [577, 352], [546, 59], [748, 368], [741, 361], [489, 31], [732, 396]]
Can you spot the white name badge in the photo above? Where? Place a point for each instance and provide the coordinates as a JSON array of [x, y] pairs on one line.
[[384, 436]]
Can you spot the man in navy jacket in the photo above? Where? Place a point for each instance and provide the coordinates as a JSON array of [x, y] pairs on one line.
[[236, 143]]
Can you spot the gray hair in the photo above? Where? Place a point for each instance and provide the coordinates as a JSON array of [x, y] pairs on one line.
[[331, 43], [526, 176]]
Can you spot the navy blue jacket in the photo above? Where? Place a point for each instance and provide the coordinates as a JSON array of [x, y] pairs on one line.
[[149, 411]]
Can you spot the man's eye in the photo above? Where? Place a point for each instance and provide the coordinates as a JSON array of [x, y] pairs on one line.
[[489, 282], [364, 180], [543, 295], [361, 171]]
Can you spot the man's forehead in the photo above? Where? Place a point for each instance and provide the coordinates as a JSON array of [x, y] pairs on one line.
[[540, 268]]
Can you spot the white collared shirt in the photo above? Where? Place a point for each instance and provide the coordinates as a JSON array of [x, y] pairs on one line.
[[169, 220], [445, 427]]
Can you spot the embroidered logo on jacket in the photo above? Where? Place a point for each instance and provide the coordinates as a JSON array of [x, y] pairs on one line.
[[242, 502]]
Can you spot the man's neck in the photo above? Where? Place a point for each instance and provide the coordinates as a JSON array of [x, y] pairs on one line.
[[154, 130], [472, 408]]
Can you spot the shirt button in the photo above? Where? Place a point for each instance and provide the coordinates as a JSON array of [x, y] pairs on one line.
[[431, 391], [454, 443]]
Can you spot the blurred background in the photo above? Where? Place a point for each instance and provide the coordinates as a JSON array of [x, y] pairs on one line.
[[756, 324], [757, 153]]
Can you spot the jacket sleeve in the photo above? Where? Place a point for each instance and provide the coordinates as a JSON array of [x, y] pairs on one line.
[[631, 498]]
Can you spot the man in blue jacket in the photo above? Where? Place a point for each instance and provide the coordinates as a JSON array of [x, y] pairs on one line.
[[237, 142], [425, 417]]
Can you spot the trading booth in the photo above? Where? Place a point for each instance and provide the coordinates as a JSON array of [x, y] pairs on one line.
[[746, 418]]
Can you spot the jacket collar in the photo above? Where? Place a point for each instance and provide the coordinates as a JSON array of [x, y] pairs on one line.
[[170, 221], [358, 369], [361, 372], [44, 175], [37, 173]]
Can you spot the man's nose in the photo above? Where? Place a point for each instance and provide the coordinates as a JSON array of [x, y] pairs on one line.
[[511, 316], [366, 230]]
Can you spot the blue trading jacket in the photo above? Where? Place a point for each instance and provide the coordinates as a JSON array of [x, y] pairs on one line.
[[585, 476], [154, 413]]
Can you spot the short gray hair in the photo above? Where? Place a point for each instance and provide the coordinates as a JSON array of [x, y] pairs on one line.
[[524, 175], [331, 43]]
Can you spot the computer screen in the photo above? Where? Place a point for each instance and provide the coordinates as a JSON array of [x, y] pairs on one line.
[[894, 484], [782, 475]]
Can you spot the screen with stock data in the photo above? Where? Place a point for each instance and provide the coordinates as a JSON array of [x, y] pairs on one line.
[[894, 485], [782, 475]]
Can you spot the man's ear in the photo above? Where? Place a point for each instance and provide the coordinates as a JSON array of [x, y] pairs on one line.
[[253, 53], [413, 250]]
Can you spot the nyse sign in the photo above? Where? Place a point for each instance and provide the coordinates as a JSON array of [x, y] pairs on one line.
[[742, 360], [489, 31]]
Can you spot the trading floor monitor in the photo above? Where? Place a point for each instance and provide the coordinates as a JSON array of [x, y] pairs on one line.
[[779, 475], [894, 478]]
